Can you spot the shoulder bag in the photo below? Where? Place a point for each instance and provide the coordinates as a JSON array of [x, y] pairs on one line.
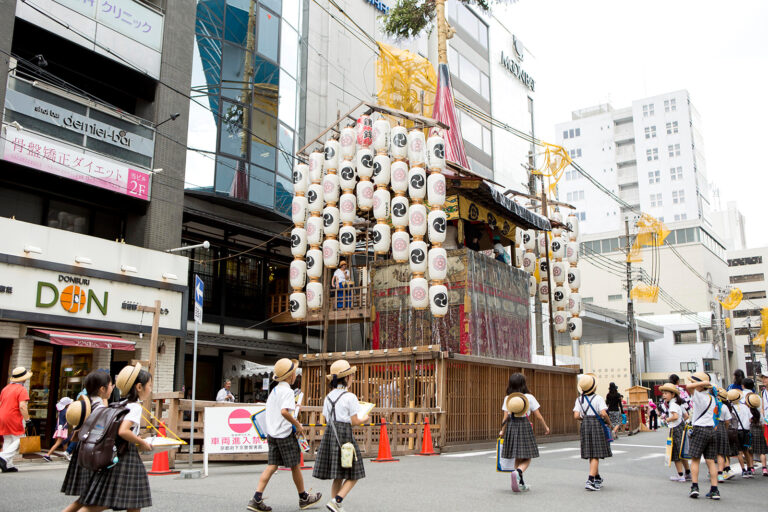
[[606, 430], [347, 450]]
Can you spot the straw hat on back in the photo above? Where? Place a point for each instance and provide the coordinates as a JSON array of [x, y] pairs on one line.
[[127, 377], [587, 384], [734, 395], [671, 388], [753, 400], [517, 405], [340, 369], [284, 368], [78, 411]]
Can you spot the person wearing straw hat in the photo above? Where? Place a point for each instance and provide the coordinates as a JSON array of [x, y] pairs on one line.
[[282, 427], [676, 423], [703, 434], [741, 424], [764, 413], [14, 416], [341, 410], [591, 410], [759, 447], [723, 448]]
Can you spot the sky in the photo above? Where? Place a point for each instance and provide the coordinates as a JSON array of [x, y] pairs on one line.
[[587, 52]]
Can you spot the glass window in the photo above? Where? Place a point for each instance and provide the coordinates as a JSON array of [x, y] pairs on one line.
[[287, 109], [283, 195], [276, 5], [236, 27], [232, 71], [261, 192], [292, 13], [289, 49], [225, 173], [232, 134], [487, 144], [471, 130], [453, 60], [269, 34], [284, 157], [468, 73], [208, 20], [485, 88], [68, 217], [263, 139]]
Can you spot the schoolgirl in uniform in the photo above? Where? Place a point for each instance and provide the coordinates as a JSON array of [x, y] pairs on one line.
[[340, 409], [676, 422], [741, 422], [594, 443], [764, 412], [124, 485], [703, 434], [519, 440], [759, 446], [722, 444]]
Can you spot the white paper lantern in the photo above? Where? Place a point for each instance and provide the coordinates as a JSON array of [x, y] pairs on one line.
[[316, 159], [529, 262], [543, 269], [348, 207], [437, 225], [364, 162], [347, 239], [574, 278], [529, 240], [381, 200], [438, 300], [560, 297], [401, 241], [300, 178], [559, 272], [437, 259], [364, 130], [331, 250], [544, 291], [399, 177], [436, 189], [364, 195], [436, 152], [298, 241], [572, 252], [347, 141], [573, 225], [382, 236], [400, 211], [533, 286], [381, 129], [299, 210], [417, 183], [557, 217], [574, 326], [330, 221], [519, 254], [561, 321], [315, 198], [519, 237], [314, 261], [331, 155], [382, 170], [416, 147], [398, 146], [347, 176], [543, 243], [419, 293], [315, 230], [574, 304], [331, 188], [298, 305], [297, 274], [417, 219], [558, 248], [314, 296], [417, 256]]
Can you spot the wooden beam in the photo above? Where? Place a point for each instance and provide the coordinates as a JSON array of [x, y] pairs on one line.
[[155, 310]]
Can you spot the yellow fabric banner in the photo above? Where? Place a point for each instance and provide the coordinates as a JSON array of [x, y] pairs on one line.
[[401, 76], [644, 293]]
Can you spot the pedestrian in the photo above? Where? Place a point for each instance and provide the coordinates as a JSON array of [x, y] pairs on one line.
[[224, 394], [738, 379], [590, 409], [282, 427], [615, 407], [124, 485], [703, 434], [676, 422], [759, 446], [61, 434], [517, 429], [98, 385], [341, 409], [723, 427], [675, 379], [653, 417], [741, 424], [339, 281], [14, 416], [764, 412]]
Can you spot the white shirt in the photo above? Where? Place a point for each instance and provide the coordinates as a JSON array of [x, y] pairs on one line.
[[582, 407], [346, 407], [96, 403], [279, 398], [745, 415], [340, 275], [223, 396], [703, 409], [764, 396], [134, 415], [725, 414], [533, 404], [674, 407]]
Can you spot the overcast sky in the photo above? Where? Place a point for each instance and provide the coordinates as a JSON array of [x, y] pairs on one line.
[[597, 51]]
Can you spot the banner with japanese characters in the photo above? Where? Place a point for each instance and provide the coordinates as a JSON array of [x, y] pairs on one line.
[[231, 430]]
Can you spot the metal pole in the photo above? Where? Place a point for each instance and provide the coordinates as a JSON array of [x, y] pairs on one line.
[[752, 352], [537, 311], [194, 385], [630, 311], [724, 345]]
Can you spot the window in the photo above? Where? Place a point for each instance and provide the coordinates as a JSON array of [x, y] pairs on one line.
[[588, 300], [654, 177], [670, 105], [674, 150], [582, 215], [754, 295], [565, 134], [675, 173], [682, 337], [575, 153], [652, 154], [672, 128], [648, 110], [650, 132], [576, 195], [269, 37], [678, 196], [614, 297], [752, 260], [655, 200], [465, 18], [745, 313], [578, 132], [475, 133], [681, 216], [747, 278], [708, 365]]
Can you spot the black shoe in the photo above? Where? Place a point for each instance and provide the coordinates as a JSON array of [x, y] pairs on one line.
[[694, 492], [11, 470], [258, 506], [713, 494], [3, 466]]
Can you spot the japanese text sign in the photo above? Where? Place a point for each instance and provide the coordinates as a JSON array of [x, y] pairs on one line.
[[231, 430]]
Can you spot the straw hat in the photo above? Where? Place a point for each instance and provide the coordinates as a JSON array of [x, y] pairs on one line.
[[126, 378], [517, 405], [587, 384], [20, 374], [734, 395], [722, 394], [340, 368], [671, 388], [284, 368], [78, 411], [753, 400], [701, 377]]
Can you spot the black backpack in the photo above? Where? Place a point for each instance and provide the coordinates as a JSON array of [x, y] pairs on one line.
[[100, 446]]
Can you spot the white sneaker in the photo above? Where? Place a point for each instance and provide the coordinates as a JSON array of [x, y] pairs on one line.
[[68, 455], [333, 506]]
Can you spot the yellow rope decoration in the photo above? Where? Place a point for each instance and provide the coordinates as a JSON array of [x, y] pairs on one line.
[[556, 159], [733, 300], [759, 340], [650, 233]]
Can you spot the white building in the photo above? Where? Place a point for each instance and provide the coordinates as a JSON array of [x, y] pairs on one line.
[[748, 269], [731, 225]]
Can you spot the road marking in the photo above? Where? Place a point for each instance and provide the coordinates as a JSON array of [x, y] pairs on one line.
[[641, 445], [469, 454], [615, 452], [651, 456], [547, 452]]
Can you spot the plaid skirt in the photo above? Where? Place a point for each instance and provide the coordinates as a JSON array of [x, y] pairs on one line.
[[594, 445], [703, 443], [519, 441], [759, 446], [328, 461], [77, 478], [677, 441], [284, 451], [722, 445], [120, 487]]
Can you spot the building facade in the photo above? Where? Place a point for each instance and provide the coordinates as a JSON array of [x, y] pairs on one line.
[[748, 269]]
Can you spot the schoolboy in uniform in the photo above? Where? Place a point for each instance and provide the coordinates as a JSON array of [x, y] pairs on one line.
[[703, 440]]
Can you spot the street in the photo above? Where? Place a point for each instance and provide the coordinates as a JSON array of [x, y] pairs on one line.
[[635, 479]]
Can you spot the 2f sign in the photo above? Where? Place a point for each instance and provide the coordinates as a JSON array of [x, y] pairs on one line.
[[198, 299]]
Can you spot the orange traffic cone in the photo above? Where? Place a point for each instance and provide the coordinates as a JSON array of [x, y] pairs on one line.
[[160, 465], [426, 441], [385, 455]]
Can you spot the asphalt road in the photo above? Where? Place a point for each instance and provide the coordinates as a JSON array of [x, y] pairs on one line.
[[635, 479]]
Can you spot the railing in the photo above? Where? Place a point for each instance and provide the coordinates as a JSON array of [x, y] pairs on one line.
[[350, 302]]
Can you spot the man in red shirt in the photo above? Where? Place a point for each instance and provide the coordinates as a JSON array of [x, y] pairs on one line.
[[14, 414]]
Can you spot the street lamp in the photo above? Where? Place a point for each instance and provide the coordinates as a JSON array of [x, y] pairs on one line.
[[173, 117]]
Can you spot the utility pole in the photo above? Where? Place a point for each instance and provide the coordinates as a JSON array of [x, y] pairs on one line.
[[724, 345], [549, 281], [630, 310], [538, 317]]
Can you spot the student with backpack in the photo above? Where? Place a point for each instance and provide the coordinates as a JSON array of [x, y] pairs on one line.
[[282, 428], [676, 423], [341, 410], [722, 444], [595, 429], [703, 434]]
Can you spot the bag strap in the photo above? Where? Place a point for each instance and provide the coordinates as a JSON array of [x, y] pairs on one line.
[[594, 411], [705, 410], [333, 415]]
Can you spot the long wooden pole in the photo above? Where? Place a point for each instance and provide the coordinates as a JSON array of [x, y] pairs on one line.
[[444, 32], [153, 338], [549, 287]]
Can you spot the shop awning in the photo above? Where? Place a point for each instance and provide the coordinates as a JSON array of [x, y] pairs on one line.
[[81, 339]]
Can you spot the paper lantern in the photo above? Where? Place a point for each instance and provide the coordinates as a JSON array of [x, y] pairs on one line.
[[529, 240], [558, 248], [347, 140], [381, 200], [298, 305], [436, 189], [330, 221], [299, 210], [364, 130], [416, 147], [419, 293], [365, 195], [574, 304], [331, 188], [438, 300], [400, 211], [331, 250], [399, 176], [574, 326], [436, 152], [519, 237], [417, 256], [543, 269], [572, 253], [315, 198], [573, 225], [314, 296], [417, 183], [398, 145], [382, 236], [381, 129], [332, 150], [557, 217], [574, 278], [533, 286], [364, 163], [315, 230], [401, 241], [559, 272], [437, 225], [297, 274], [382, 170], [544, 291], [543, 243], [437, 263], [314, 260], [347, 239], [300, 178], [529, 262], [298, 241], [316, 159], [561, 321], [560, 297], [519, 254], [417, 219], [347, 176], [348, 207]]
